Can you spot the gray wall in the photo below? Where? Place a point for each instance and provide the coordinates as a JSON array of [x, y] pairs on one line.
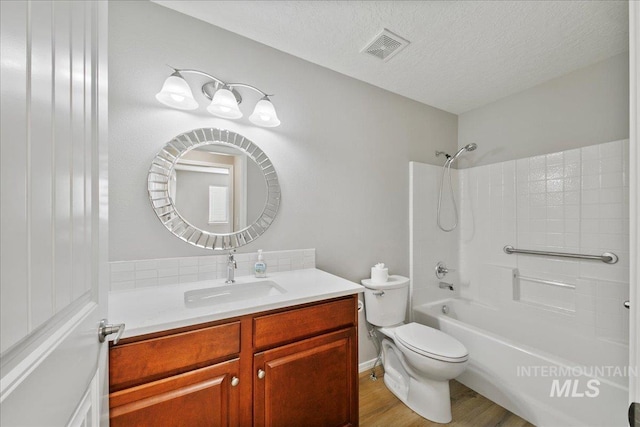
[[586, 107], [342, 152]]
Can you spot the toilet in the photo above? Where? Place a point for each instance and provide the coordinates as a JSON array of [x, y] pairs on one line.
[[418, 360]]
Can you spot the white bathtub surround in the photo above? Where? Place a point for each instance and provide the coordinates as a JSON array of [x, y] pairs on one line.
[[171, 271], [549, 311], [572, 201]]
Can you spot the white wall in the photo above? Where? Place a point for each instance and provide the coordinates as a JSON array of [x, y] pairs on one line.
[[588, 106], [341, 153]]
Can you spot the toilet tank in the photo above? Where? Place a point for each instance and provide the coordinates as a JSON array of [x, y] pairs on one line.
[[385, 304]]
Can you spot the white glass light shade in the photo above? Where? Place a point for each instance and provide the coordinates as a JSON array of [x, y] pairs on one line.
[[225, 105], [264, 114], [176, 93]]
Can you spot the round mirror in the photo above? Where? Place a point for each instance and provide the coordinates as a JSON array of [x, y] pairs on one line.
[[214, 189]]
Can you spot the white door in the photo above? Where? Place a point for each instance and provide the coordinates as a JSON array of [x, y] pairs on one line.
[[53, 212], [634, 190]]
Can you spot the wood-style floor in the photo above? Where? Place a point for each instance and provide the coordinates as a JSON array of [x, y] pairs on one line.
[[379, 407]]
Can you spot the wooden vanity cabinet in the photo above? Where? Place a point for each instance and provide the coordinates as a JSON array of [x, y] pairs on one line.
[[202, 397], [187, 378], [294, 366], [308, 383], [305, 366]]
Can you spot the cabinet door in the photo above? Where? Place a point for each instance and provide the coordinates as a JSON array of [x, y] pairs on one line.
[[203, 397], [309, 383]]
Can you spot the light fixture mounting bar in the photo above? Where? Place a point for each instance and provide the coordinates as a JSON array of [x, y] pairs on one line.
[[202, 73], [217, 80], [248, 87]]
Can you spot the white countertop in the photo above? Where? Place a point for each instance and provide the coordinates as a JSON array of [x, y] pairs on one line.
[[155, 309]]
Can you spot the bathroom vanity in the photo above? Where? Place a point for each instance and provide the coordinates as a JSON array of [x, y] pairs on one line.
[[289, 357]]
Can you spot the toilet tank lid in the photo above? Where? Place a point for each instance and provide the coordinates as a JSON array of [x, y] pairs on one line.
[[394, 282]]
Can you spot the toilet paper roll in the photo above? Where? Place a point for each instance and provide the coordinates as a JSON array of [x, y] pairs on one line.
[[379, 275]]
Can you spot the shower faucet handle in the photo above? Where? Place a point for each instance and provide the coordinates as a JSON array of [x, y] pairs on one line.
[[442, 270]]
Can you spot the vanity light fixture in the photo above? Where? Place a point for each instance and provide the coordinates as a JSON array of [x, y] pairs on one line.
[[224, 98], [224, 104], [264, 114]]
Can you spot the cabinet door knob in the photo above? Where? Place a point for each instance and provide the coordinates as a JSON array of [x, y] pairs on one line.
[[261, 373], [235, 381]]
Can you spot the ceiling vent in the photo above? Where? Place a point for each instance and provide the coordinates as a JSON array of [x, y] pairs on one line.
[[385, 45]]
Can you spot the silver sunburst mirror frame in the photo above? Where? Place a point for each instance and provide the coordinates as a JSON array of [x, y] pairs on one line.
[[160, 175]]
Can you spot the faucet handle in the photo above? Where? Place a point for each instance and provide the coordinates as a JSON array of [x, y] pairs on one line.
[[442, 270]]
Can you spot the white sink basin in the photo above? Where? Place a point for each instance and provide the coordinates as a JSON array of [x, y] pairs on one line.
[[232, 293]]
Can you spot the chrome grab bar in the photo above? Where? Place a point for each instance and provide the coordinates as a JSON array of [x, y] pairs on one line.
[[607, 257]]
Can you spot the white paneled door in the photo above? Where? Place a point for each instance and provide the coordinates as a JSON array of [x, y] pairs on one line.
[[634, 198], [53, 212]]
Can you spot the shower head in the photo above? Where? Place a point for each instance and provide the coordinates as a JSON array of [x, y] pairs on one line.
[[468, 147]]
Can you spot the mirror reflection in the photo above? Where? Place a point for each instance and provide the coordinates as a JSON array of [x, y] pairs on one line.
[[218, 188]]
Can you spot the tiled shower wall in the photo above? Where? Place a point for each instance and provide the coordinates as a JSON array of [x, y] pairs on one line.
[[570, 201], [171, 271]]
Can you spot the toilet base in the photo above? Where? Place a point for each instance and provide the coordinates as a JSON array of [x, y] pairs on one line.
[[395, 378], [428, 398]]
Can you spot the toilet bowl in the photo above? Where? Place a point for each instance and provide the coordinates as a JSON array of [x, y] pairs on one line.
[[418, 371], [418, 360]]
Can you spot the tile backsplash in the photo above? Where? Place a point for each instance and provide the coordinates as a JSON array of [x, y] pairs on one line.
[[171, 271]]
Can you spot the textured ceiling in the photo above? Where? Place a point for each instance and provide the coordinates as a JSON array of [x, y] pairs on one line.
[[463, 54]]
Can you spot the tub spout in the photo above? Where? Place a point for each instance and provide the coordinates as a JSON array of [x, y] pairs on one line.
[[445, 285]]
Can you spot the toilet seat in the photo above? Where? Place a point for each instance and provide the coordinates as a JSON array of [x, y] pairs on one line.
[[431, 343]]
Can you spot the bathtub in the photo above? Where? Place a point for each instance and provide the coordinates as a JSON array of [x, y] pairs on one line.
[[536, 366]]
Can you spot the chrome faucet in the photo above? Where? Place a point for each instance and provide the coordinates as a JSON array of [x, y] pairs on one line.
[[445, 285], [441, 270], [231, 267]]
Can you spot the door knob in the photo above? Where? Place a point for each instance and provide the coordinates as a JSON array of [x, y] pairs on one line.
[[261, 373], [626, 304], [235, 381], [107, 329]]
